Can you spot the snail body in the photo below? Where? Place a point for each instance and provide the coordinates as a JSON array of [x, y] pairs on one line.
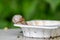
[[18, 19]]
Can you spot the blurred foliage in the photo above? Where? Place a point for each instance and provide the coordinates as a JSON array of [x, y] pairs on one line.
[[30, 9]]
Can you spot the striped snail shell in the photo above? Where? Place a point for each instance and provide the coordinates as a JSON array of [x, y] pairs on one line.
[[16, 18]]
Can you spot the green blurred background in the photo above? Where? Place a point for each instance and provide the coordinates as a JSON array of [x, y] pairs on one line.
[[30, 9]]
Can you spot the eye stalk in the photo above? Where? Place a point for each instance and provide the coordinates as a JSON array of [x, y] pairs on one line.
[[18, 19]]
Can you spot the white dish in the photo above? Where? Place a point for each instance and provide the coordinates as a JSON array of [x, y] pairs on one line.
[[39, 28]]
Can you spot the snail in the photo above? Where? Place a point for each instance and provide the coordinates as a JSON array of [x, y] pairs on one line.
[[18, 19]]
